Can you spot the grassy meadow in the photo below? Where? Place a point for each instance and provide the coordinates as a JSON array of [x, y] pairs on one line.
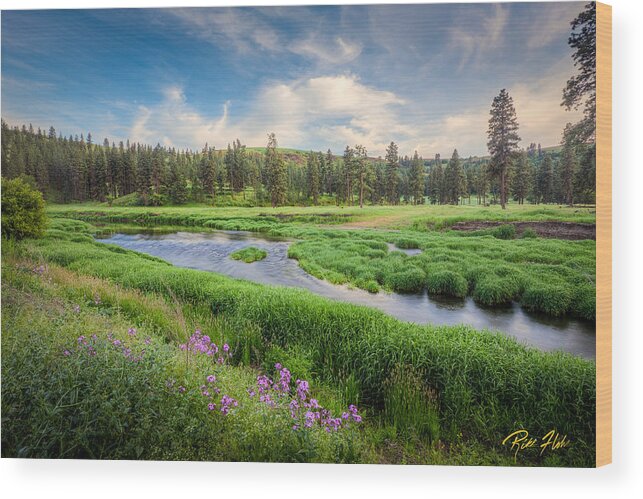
[[384, 391]]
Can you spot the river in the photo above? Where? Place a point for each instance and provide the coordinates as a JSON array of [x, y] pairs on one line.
[[210, 251]]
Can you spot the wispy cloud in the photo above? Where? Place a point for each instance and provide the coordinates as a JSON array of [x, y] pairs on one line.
[[475, 42], [242, 29], [337, 51], [555, 22], [246, 30]]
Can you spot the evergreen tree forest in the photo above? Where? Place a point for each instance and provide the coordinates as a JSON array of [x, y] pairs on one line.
[[77, 169]]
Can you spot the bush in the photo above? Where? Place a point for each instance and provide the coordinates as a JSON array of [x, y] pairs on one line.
[[507, 231], [23, 210], [529, 233], [447, 282]]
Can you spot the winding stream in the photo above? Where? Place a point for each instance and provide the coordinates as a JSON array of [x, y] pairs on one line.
[[210, 251]]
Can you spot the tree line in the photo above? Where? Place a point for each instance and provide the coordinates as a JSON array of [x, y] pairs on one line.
[[75, 169]]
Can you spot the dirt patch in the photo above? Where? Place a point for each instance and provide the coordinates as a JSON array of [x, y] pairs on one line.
[[553, 230]]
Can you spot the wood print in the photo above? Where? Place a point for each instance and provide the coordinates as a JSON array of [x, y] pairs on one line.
[[375, 234]]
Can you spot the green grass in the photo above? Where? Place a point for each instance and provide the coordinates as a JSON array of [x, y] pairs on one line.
[[249, 254], [493, 270], [418, 218], [482, 385], [497, 268], [60, 402]]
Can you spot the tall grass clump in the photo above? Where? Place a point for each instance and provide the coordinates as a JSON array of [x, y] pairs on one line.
[[550, 298], [249, 254], [447, 282], [410, 404], [410, 280], [492, 290]]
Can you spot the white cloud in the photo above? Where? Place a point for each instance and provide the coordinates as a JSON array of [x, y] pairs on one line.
[[174, 123], [339, 51], [236, 27], [246, 31], [333, 111], [327, 110]]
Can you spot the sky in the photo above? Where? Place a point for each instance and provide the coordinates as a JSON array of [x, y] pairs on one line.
[[320, 77]]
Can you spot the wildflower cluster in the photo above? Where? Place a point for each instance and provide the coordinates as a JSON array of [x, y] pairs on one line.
[[91, 345], [40, 270], [200, 343], [305, 411]]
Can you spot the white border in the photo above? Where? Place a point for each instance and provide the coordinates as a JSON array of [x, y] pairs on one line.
[[115, 480]]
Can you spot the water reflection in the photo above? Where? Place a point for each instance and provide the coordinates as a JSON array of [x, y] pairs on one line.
[[210, 251]]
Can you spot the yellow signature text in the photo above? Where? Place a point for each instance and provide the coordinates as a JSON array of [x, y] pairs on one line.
[[520, 440]]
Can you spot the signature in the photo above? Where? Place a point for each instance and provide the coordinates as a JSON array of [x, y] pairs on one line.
[[521, 440]]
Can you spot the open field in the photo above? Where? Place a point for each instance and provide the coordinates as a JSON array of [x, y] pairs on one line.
[[420, 217], [479, 386]]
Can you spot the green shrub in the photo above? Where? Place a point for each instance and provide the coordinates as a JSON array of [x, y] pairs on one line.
[[447, 282], [507, 231], [529, 233], [23, 210]]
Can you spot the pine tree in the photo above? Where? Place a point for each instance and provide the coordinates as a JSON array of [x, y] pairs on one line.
[[362, 171], [144, 175], [581, 88], [455, 179], [503, 140], [416, 181], [392, 174], [482, 184], [277, 173], [436, 181], [176, 186], [568, 164], [312, 176], [521, 181], [546, 180], [585, 181], [348, 173], [330, 173], [207, 172]]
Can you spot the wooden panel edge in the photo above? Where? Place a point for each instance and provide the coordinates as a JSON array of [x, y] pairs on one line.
[[603, 234]]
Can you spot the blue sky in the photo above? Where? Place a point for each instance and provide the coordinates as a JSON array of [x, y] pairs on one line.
[[421, 75]]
